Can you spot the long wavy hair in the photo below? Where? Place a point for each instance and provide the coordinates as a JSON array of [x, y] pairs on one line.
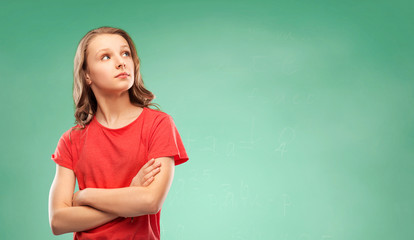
[[85, 103]]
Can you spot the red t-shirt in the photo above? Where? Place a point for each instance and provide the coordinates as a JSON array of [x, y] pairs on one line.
[[102, 157]]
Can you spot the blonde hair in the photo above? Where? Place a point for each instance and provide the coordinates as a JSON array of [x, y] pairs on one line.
[[83, 96]]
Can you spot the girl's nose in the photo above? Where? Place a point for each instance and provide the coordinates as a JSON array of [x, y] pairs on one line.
[[121, 64]]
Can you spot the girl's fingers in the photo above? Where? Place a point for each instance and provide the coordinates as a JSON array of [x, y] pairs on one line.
[[152, 167], [148, 181], [156, 171], [149, 163], [152, 173]]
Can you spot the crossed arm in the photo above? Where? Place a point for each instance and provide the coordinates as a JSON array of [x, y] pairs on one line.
[[92, 207]]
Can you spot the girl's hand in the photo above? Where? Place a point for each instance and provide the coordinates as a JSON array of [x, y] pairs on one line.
[[146, 174]]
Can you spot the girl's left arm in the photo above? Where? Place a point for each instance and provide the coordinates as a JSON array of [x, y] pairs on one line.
[[131, 201]]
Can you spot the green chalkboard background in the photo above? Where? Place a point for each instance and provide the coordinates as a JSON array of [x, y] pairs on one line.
[[297, 116]]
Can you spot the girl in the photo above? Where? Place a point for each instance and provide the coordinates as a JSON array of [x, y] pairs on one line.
[[121, 152]]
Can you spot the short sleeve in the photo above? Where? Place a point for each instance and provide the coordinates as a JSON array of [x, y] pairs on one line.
[[63, 155], [165, 141]]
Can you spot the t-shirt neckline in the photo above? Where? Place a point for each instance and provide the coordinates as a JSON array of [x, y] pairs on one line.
[[116, 129]]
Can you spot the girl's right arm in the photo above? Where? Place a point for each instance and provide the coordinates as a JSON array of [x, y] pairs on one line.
[[63, 217]]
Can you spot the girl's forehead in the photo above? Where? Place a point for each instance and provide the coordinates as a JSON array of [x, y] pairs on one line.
[[105, 41]]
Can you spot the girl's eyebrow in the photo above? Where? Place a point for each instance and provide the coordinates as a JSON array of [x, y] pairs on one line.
[[104, 49]]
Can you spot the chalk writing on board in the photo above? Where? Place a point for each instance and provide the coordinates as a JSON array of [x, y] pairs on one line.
[[206, 175], [284, 236], [229, 199], [282, 149], [194, 179], [286, 203], [252, 141], [296, 99], [162, 229], [213, 200], [279, 99], [199, 179], [285, 137], [188, 140], [179, 189], [180, 231], [230, 150], [284, 36], [237, 235], [211, 145], [244, 192], [228, 196], [288, 66], [310, 98]]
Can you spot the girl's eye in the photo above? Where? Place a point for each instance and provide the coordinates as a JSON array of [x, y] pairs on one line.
[[103, 57]]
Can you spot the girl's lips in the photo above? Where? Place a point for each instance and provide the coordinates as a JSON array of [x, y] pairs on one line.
[[122, 75]]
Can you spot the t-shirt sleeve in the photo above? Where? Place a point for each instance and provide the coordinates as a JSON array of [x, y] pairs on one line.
[[63, 154], [165, 141]]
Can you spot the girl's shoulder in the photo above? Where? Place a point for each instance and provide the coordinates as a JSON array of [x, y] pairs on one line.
[[73, 132], [156, 114]]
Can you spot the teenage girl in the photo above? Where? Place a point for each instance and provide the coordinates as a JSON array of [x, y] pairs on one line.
[[121, 152]]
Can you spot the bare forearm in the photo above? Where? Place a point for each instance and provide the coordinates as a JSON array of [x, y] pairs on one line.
[[79, 218], [124, 202]]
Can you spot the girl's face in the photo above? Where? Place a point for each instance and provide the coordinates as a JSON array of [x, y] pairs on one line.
[[108, 55]]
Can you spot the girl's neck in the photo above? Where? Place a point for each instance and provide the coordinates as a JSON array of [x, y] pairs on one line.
[[116, 111]]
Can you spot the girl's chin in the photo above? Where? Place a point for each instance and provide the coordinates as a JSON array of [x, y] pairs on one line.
[[116, 90]]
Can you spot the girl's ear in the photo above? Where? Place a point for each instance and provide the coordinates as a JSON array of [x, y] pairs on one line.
[[88, 80]]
